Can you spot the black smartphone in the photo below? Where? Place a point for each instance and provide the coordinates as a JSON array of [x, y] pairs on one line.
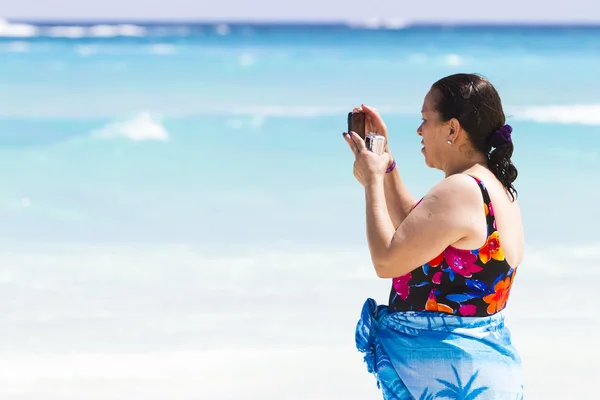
[[356, 123]]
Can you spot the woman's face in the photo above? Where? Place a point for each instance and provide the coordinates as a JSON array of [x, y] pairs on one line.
[[433, 132]]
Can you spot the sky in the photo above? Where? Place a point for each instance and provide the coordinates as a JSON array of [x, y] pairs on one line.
[[472, 11]]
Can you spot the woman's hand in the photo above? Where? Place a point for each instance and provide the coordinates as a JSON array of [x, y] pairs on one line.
[[373, 122], [369, 167]]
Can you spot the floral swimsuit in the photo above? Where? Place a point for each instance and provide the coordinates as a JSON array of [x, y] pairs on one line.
[[470, 283]]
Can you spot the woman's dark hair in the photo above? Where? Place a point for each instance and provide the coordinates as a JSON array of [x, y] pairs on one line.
[[476, 104]]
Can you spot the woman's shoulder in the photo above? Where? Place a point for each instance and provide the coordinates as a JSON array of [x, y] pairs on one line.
[[461, 199], [469, 187], [456, 191]]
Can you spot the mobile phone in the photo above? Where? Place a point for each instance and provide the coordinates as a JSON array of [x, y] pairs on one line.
[[356, 123]]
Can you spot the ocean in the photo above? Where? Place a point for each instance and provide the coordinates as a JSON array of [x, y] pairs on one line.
[[180, 219]]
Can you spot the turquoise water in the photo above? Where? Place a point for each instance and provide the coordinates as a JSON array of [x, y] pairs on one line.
[[254, 116], [178, 203]]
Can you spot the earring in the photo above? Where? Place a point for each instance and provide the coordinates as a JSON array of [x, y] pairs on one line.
[[449, 141]]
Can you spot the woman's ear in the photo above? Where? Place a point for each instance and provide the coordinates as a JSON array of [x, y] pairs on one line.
[[454, 126]]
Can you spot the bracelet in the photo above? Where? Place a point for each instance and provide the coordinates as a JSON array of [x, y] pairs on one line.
[[391, 167]]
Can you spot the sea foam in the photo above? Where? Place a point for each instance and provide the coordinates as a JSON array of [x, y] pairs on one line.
[[574, 114], [179, 320]]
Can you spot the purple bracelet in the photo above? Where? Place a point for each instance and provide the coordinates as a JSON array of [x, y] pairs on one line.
[[391, 167]]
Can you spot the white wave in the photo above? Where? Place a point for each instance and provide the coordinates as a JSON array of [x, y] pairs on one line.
[[379, 23], [8, 29], [151, 365], [67, 31], [70, 31], [140, 128], [116, 30], [395, 23], [238, 264], [453, 60], [162, 49], [254, 373], [230, 373], [560, 261], [221, 323], [369, 23], [576, 114]]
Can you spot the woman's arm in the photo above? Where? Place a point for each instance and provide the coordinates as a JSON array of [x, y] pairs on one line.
[[399, 200], [445, 216], [451, 211], [397, 197]]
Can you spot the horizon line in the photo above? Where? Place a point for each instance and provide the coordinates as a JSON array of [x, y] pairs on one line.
[[366, 23]]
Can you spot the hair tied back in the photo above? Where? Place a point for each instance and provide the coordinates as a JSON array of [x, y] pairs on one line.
[[501, 136]]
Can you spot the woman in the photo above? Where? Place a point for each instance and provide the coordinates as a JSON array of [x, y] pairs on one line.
[[452, 256]]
